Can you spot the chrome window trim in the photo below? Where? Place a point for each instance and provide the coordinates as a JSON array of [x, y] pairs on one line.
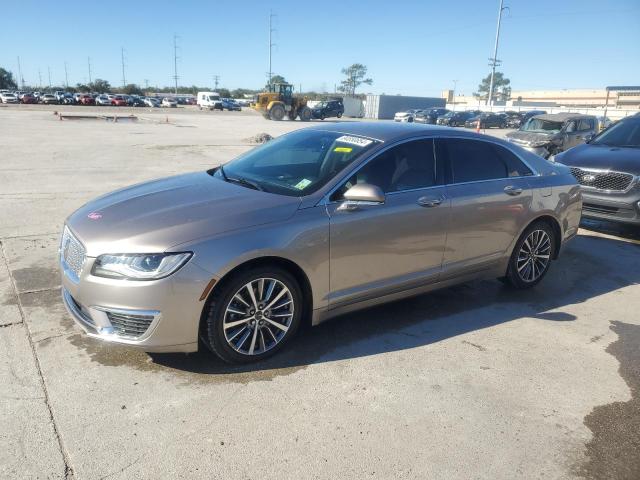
[[534, 173]]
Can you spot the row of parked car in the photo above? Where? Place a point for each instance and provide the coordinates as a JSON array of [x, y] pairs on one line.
[[107, 99], [466, 118]]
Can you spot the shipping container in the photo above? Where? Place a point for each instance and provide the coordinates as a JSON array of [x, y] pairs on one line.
[[385, 106]]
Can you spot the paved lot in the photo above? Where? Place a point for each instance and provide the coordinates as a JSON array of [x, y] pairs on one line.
[[475, 381]]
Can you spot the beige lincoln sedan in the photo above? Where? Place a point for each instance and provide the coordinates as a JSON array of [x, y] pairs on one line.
[[316, 223]]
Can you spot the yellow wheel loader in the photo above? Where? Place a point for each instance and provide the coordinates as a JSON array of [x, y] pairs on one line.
[[279, 102]]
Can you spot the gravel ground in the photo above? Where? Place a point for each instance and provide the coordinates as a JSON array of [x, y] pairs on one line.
[[475, 381]]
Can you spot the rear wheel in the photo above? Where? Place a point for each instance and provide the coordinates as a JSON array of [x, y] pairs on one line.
[[305, 114], [277, 112], [253, 315], [531, 256], [339, 115]]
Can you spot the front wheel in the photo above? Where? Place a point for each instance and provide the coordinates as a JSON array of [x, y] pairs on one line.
[[277, 112], [532, 255], [339, 115], [305, 114], [253, 315]]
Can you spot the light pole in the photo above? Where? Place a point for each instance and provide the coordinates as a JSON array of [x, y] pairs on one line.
[[494, 62], [453, 96]]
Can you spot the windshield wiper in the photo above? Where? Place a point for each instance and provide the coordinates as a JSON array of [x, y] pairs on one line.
[[241, 181], [246, 183]]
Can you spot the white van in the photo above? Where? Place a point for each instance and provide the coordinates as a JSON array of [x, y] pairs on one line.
[[210, 100]]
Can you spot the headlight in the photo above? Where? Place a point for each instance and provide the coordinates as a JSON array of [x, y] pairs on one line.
[[139, 266]]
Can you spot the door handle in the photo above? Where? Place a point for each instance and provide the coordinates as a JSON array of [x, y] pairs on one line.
[[429, 202], [511, 190]]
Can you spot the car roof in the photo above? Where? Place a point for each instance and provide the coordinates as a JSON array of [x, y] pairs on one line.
[[562, 117], [389, 131]]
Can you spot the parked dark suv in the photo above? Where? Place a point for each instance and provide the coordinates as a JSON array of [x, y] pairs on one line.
[[487, 120], [456, 119], [328, 108], [547, 135], [608, 169], [430, 116]]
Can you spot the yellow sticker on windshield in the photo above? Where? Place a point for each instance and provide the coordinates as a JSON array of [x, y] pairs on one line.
[[302, 184], [343, 149]]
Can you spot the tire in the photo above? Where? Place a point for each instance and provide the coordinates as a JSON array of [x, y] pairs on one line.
[[305, 114], [276, 113], [234, 344], [322, 117], [339, 115], [536, 242]]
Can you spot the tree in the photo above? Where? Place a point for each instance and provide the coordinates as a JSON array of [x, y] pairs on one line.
[[6, 80], [355, 74], [99, 85], [224, 92], [275, 79], [501, 87], [131, 89]]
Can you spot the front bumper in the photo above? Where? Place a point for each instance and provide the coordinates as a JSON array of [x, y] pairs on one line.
[[621, 208], [155, 316]]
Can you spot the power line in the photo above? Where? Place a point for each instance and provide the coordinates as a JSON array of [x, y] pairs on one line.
[[124, 80], [216, 79], [175, 62], [494, 62], [271, 44], [20, 77]]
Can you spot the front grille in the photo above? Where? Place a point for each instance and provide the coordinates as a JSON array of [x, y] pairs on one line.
[[72, 252], [610, 181], [129, 325]]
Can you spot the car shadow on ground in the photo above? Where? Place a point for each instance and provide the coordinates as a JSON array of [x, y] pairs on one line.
[[588, 267], [630, 232]]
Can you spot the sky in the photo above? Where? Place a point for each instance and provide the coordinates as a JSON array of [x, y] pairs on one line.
[[411, 47]]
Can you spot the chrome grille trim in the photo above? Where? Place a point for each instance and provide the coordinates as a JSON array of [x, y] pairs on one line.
[[72, 255], [129, 324], [603, 180]]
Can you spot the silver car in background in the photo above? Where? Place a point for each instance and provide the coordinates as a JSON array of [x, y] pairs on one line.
[[313, 224]]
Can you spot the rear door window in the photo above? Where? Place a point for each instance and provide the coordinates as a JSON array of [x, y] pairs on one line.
[[474, 160], [585, 124]]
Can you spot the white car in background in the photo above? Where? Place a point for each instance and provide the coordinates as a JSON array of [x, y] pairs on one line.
[[8, 98], [151, 102], [406, 116], [103, 100], [169, 102]]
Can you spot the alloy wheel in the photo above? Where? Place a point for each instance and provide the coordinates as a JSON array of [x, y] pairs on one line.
[[258, 316], [534, 256]]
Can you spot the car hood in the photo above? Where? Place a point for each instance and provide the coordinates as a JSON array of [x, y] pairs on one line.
[[602, 157], [525, 138], [157, 215]]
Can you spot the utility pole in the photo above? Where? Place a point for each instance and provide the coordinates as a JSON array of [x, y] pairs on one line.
[[66, 76], [89, 64], [175, 62], [494, 62], [271, 44], [21, 78], [216, 79], [40, 79], [124, 80], [453, 96], [49, 71]]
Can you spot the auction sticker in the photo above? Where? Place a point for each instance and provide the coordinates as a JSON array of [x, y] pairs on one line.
[[361, 142]]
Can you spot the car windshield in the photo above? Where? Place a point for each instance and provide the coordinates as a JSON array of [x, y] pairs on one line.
[[296, 164], [537, 125], [622, 134], [321, 105]]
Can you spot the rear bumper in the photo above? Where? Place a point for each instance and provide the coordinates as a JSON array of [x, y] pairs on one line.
[[615, 208]]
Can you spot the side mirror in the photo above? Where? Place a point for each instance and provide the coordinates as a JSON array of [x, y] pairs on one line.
[[362, 194]]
